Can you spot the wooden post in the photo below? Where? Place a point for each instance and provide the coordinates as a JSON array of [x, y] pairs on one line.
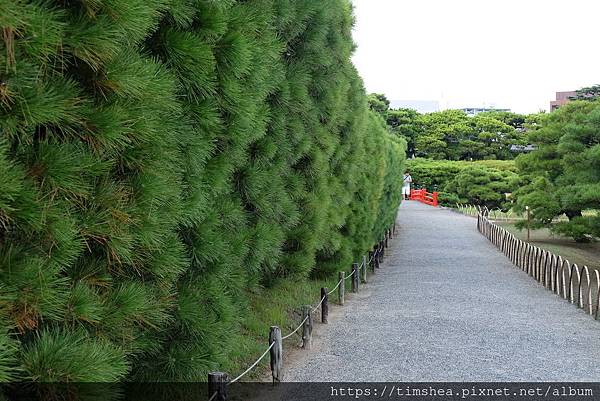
[[306, 327], [276, 353], [341, 288], [364, 269], [381, 251], [372, 261], [528, 223], [355, 278], [375, 257], [324, 305], [217, 383], [387, 233]]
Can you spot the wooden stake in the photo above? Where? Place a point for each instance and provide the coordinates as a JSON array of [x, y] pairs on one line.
[[217, 383], [324, 305], [342, 288], [355, 278], [307, 327], [276, 353], [364, 269]]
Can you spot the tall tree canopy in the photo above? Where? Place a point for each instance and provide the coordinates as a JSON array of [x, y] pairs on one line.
[[379, 103], [588, 93], [406, 123], [515, 120], [453, 135]]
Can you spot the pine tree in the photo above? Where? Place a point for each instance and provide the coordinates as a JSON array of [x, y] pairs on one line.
[[158, 159], [562, 175]]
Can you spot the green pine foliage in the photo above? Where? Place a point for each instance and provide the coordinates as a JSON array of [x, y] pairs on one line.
[[161, 160], [562, 176], [481, 182]]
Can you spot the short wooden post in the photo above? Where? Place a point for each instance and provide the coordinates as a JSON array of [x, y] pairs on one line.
[[355, 278], [364, 269], [528, 223], [342, 287], [306, 327], [217, 383], [372, 261], [276, 353], [324, 305]]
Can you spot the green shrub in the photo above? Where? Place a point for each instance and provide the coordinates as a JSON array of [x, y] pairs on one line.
[[158, 160], [448, 199], [482, 186], [483, 182]]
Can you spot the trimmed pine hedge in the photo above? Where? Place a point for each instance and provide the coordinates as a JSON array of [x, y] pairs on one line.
[[161, 158]]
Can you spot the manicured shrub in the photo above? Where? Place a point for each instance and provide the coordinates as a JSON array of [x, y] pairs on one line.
[[483, 182], [482, 186], [158, 160]]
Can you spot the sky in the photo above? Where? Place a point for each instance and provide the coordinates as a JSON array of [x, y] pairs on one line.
[[471, 53]]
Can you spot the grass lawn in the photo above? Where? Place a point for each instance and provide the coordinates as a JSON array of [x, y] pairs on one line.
[[277, 306], [580, 253]]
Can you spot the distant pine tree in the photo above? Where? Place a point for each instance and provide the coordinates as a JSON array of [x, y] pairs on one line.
[[157, 159]]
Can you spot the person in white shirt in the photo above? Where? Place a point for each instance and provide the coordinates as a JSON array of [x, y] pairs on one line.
[[406, 185]]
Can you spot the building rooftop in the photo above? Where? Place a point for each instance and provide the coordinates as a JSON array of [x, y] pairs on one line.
[[473, 111]]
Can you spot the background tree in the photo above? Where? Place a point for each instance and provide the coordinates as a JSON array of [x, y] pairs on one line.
[[483, 182], [589, 93], [453, 135], [406, 123], [443, 132], [379, 104], [563, 174], [493, 139], [515, 120]]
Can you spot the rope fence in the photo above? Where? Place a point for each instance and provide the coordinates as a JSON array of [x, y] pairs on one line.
[[219, 381], [253, 365], [296, 329], [578, 285]]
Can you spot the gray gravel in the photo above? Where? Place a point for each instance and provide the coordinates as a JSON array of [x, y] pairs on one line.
[[448, 306]]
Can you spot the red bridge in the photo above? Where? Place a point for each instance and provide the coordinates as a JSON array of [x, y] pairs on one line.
[[421, 195]]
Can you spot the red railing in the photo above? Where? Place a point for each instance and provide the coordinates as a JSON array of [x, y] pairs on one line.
[[421, 195]]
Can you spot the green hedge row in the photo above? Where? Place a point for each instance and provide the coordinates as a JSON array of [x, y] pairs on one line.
[[160, 158]]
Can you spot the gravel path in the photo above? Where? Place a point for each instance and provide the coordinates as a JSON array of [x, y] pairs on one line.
[[448, 306]]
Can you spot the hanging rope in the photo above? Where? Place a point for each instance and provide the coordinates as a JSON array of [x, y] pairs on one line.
[[335, 288], [253, 365], [294, 332]]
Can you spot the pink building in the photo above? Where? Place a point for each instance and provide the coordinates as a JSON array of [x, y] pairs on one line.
[[561, 98]]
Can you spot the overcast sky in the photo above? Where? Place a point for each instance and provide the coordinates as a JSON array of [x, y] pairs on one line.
[[468, 53]]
